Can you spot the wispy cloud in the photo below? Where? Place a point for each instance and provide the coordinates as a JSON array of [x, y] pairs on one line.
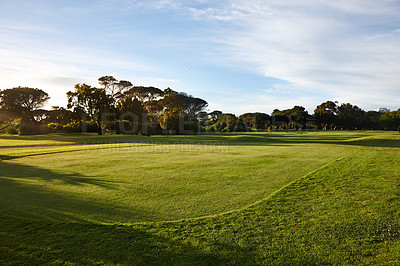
[[346, 49], [307, 51], [349, 49]]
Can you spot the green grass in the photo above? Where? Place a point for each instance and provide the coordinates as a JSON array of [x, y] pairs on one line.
[[280, 198], [260, 138]]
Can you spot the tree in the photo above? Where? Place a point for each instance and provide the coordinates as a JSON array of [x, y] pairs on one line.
[[193, 106], [91, 101], [373, 120], [257, 121], [202, 117], [20, 105], [391, 120], [215, 114], [179, 104], [350, 116], [6, 119], [173, 107], [109, 84], [148, 97], [22, 101], [115, 88], [290, 118], [279, 119], [144, 94], [298, 115], [325, 114], [123, 86], [228, 123]]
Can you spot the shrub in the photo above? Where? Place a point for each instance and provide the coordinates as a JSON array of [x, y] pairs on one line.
[[11, 129], [29, 129], [72, 127], [54, 127]]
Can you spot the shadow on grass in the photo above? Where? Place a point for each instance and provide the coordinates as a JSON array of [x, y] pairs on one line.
[[20, 171], [235, 139], [43, 226], [383, 143], [22, 197], [99, 244]]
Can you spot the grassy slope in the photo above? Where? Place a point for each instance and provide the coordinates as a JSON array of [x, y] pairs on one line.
[[147, 183], [345, 212]]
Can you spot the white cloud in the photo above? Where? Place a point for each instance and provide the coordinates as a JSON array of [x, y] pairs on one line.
[[168, 80], [346, 50], [317, 46], [56, 68]]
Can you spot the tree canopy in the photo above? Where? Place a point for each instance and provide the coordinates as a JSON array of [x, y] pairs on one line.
[[119, 104], [22, 99], [91, 101]]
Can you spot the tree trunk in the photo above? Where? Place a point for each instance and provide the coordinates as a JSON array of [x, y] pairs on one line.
[[99, 130]]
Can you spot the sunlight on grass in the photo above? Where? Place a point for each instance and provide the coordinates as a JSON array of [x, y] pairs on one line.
[[281, 198], [148, 183]]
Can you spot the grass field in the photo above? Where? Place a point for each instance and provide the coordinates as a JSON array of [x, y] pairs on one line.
[[252, 198]]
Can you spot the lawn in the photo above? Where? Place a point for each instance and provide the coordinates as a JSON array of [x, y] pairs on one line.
[[253, 198]]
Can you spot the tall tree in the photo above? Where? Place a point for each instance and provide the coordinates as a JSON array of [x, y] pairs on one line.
[[109, 84], [391, 120], [215, 114], [179, 104], [350, 116], [92, 101], [148, 96], [280, 119], [325, 114], [298, 115], [22, 101], [115, 88], [228, 123], [193, 106], [145, 94], [257, 121], [6, 119]]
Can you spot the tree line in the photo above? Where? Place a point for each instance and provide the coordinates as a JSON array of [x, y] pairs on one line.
[[117, 106]]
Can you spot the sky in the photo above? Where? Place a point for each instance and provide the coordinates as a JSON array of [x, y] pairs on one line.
[[238, 55]]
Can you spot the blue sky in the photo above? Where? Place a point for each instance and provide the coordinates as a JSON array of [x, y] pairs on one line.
[[239, 55]]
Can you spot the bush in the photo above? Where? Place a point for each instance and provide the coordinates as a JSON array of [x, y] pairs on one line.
[[72, 127], [29, 129], [55, 127], [11, 129]]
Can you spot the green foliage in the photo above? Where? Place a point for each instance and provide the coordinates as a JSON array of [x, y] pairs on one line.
[[350, 117], [391, 120], [228, 123], [55, 127], [214, 115], [256, 121], [145, 94], [325, 114], [92, 101], [294, 118], [6, 119], [177, 105], [11, 129], [22, 100], [120, 105], [329, 115], [20, 106]]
